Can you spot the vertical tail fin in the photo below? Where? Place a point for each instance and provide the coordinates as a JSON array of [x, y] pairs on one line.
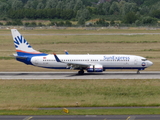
[[22, 46]]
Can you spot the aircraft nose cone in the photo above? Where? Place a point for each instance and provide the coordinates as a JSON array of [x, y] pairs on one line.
[[150, 63]]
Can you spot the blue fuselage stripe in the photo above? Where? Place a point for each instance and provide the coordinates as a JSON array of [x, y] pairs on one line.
[[140, 68], [30, 54]]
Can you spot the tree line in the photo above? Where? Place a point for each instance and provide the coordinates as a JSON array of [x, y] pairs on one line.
[[128, 11], [42, 14]]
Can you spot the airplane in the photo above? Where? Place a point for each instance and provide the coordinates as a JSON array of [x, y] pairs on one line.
[[88, 62]]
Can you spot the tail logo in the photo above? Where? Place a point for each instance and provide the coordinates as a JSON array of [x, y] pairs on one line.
[[20, 41]]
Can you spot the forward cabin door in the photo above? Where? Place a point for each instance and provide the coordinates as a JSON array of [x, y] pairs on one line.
[[45, 62], [135, 61]]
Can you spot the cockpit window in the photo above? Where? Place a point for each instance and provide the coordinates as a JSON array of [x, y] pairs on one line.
[[144, 59]]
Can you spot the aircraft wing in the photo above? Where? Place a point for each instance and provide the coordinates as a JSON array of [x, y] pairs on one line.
[[72, 64], [80, 64]]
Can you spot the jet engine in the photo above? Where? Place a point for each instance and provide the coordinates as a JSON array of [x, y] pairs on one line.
[[95, 68]]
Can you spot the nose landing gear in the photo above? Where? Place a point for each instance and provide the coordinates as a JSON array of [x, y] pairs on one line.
[[138, 71]]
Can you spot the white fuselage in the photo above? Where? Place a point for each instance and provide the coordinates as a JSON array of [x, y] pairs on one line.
[[106, 61]]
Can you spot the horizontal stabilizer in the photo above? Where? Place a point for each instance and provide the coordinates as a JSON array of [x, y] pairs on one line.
[[20, 57]]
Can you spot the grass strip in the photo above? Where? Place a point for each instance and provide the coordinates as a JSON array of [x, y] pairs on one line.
[[21, 94], [134, 111], [6, 58]]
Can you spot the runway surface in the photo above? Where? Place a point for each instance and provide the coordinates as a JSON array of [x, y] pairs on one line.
[[84, 117], [74, 75]]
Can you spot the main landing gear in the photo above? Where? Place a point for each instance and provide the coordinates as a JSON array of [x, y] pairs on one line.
[[138, 71], [81, 72]]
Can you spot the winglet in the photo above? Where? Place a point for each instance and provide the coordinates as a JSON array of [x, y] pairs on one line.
[[56, 57], [66, 52]]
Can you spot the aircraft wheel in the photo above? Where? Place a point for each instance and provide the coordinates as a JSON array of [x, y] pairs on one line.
[[138, 72], [81, 72]]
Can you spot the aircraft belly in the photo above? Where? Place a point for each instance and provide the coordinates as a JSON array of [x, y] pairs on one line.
[[116, 64]]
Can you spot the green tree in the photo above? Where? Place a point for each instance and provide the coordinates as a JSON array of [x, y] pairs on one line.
[[128, 7], [68, 23], [149, 20], [33, 24], [30, 13], [8, 23], [52, 13], [59, 5], [86, 14], [144, 10], [67, 14], [89, 2], [106, 7], [78, 5], [138, 2], [40, 5], [61, 23], [138, 22], [156, 14], [100, 9], [17, 4], [51, 4], [16, 14], [24, 1], [59, 13], [53, 23], [81, 21], [130, 18], [150, 2], [102, 22], [114, 9], [26, 24], [112, 22], [17, 22], [29, 4], [83, 13], [155, 7], [3, 8], [40, 24], [40, 14], [69, 4]]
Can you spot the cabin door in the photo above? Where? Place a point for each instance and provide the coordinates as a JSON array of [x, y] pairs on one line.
[[135, 61]]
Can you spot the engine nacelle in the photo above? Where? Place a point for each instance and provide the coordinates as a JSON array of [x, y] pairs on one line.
[[95, 68]]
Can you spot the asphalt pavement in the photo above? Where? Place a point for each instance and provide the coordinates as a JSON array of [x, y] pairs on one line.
[[74, 75]]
